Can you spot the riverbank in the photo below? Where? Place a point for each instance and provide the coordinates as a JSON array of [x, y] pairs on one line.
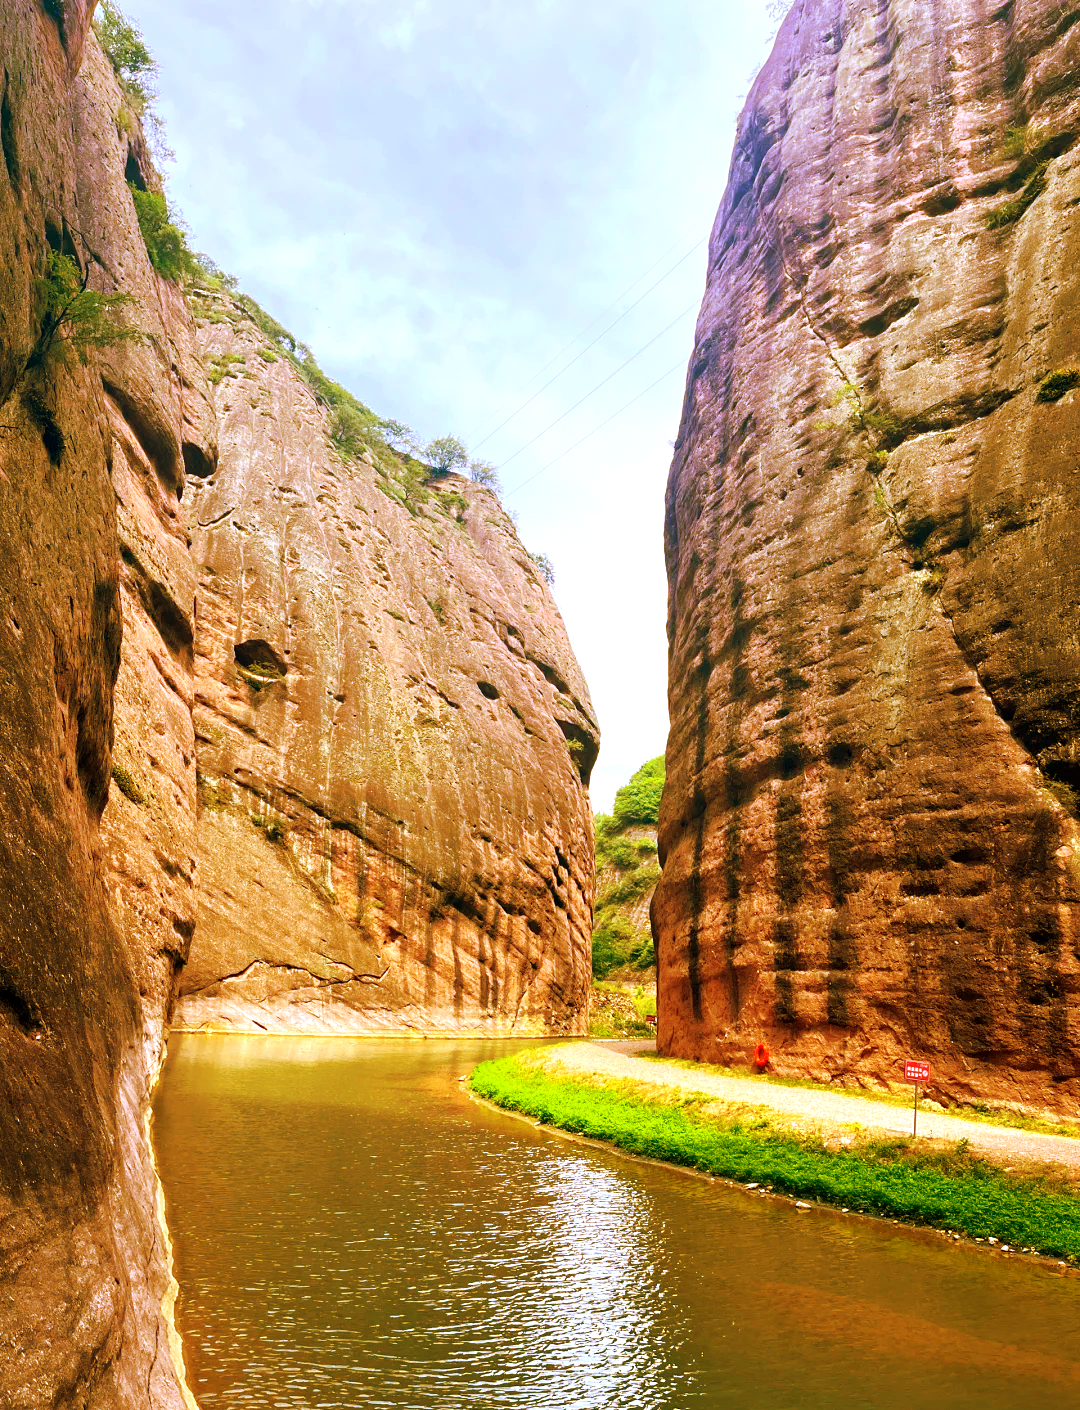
[[1024, 1205]]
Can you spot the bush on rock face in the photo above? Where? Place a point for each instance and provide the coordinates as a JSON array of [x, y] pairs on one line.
[[1055, 384]]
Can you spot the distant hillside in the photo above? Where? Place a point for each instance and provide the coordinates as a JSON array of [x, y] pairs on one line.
[[626, 875]]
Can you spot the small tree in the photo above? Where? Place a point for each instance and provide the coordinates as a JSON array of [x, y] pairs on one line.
[[483, 473], [75, 317], [446, 454], [132, 61], [544, 567]]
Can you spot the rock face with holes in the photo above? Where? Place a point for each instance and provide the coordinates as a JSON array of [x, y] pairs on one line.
[[393, 736], [85, 987], [874, 563]]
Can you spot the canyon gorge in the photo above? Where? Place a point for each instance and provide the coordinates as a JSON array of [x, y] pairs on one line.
[[294, 740]]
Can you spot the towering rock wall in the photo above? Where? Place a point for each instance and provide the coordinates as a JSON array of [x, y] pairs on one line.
[[397, 706], [872, 540], [393, 737], [85, 1288]]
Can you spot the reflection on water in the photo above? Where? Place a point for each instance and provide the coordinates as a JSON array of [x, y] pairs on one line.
[[351, 1230]]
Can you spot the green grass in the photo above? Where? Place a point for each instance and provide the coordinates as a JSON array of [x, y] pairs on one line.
[[976, 1111], [947, 1189]]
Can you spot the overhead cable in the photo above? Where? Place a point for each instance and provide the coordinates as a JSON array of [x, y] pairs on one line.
[[689, 309], [681, 363], [629, 289], [589, 346]]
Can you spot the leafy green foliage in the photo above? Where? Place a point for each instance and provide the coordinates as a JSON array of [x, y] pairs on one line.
[[639, 800], [123, 45], [1055, 384], [166, 243], [951, 1189], [544, 567], [1011, 211], [618, 944], [223, 365], [483, 473], [75, 317], [1015, 143], [629, 888], [349, 429], [445, 454]]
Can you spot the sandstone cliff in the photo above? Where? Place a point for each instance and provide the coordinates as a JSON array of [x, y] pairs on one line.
[[868, 832], [393, 735], [83, 1000]]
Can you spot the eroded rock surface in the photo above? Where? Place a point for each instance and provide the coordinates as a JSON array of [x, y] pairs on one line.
[[874, 564], [85, 1285], [393, 735]]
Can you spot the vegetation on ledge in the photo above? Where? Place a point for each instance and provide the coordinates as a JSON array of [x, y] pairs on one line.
[[945, 1187], [628, 872]]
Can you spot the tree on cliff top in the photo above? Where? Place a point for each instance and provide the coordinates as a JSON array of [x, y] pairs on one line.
[[639, 800], [125, 49], [445, 454]]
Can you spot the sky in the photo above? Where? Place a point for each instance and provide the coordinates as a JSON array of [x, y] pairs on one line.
[[487, 220]]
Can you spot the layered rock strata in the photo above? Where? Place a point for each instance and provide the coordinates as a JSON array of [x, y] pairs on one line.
[[85, 991], [393, 735], [869, 837]]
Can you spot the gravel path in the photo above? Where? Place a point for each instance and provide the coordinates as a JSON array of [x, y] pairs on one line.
[[1000, 1142]]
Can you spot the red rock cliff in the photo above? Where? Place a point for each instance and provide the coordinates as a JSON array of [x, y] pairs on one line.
[[392, 731], [393, 738], [85, 991], [872, 541]]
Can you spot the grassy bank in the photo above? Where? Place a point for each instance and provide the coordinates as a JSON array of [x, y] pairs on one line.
[[944, 1187]]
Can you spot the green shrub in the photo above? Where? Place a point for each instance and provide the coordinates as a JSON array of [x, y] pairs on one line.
[[1015, 143], [348, 428], [544, 567], [1055, 384], [629, 888], [124, 48], [445, 454], [75, 317], [639, 800], [483, 473], [1011, 211], [614, 941], [621, 853], [166, 243]]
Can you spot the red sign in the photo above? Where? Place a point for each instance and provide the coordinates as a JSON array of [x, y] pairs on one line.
[[917, 1071]]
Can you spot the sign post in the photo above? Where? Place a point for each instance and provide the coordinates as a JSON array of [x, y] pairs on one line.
[[916, 1072]]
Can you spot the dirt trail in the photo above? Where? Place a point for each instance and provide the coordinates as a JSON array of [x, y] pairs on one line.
[[1001, 1143]]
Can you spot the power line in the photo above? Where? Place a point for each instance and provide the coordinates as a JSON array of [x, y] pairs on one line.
[[681, 363], [607, 379], [629, 289], [681, 260]]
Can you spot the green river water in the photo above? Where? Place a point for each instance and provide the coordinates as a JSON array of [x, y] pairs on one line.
[[350, 1229]]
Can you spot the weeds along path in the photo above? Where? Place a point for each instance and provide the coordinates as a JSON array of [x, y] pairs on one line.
[[1002, 1144]]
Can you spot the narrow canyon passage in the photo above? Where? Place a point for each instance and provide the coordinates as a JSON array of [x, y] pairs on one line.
[[350, 1229]]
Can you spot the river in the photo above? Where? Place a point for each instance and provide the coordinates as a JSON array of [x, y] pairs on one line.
[[351, 1230]]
